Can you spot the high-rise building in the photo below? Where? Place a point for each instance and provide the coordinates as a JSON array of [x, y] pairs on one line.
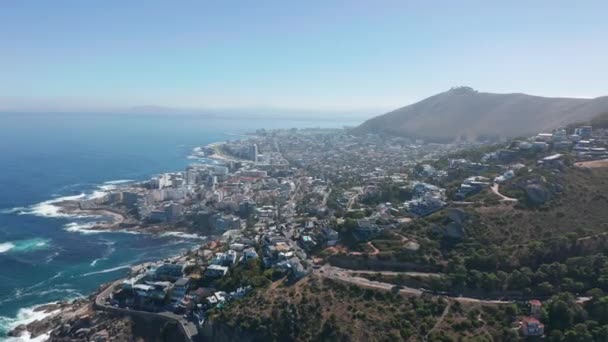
[[254, 153]]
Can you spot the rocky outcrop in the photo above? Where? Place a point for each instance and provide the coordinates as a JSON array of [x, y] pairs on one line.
[[456, 214], [537, 193], [454, 230], [78, 321]]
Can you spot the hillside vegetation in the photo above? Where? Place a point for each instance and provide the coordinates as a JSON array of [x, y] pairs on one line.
[[463, 113], [317, 309]]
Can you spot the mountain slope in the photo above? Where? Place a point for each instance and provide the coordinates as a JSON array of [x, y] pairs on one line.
[[464, 112]]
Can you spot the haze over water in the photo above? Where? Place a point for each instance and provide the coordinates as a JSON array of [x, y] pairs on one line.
[[45, 256]]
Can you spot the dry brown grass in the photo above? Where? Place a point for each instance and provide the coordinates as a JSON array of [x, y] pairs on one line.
[[581, 209], [320, 309]]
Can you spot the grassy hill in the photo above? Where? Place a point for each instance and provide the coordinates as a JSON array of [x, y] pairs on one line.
[[318, 309], [465, 113]]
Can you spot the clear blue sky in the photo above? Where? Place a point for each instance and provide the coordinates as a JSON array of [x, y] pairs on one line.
[[295, 54]]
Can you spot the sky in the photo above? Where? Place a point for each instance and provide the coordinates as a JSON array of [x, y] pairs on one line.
[[318, 55]]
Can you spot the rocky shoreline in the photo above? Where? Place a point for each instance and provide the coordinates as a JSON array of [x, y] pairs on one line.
[[78, 321], [67, 318], [115, 221]]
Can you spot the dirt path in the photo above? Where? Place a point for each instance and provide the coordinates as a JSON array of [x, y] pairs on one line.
[[439, 321], [375, 250], [593, 163], [502, 197]]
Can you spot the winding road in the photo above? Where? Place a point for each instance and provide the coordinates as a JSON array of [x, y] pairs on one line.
[[188, 327], [347, 276]]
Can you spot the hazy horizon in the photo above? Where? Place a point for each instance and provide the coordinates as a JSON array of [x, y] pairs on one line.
[[339, 56]]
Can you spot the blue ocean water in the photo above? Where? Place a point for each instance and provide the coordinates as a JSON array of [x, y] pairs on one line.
[[45, 257]]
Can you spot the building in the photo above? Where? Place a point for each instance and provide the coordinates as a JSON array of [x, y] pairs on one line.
[[254, 153], [331, 236], [225, 259], [223, 223], [216, 271], [553, 161], [180, 287], [584, 132], [470, 186], [424, 206], [170, 272], [546, 137], [531, 326], [535, 308], [129, 199], [307, 242], [249, 254], [365, 230]]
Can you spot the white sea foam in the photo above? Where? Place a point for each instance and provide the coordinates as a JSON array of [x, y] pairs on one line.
[[119, 181], [183, 235], [27, 337], [25, 316], [12, 210], [23, 245], [49, 208], [84, 228], [110, 185], [94, 262], [6, 246], [113, 269], [98, 194], [51, 257], [71, 293], [132, 232]]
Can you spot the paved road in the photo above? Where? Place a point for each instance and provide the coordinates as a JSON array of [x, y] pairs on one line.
[[341, 275], [188, 326], [393, 273], [347, 276]]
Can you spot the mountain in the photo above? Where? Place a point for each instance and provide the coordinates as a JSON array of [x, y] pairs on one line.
[[464, 112]]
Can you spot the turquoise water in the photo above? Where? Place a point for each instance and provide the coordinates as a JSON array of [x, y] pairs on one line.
[[46, 256]]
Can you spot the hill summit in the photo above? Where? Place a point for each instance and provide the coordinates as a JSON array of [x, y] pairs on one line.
[[464, 113]]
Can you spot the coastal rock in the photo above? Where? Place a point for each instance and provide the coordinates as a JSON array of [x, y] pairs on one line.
[[17, 331], [101, 336], [82, 332], [38, 328], [49, 307]]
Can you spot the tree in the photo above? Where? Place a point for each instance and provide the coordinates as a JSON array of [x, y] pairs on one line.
[[578, 334], [599, 310], [561, 311]]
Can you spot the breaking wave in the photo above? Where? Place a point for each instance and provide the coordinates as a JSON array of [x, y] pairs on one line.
[[24, 316], [23, 245], [183, 235], [113, 269]]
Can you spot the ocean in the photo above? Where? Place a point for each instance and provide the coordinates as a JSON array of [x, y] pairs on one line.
[[46, 256]]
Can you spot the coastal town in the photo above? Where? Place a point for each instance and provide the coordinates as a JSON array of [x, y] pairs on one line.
[[282, 205]]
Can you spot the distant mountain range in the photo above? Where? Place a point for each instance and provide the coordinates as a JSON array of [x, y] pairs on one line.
[[464, 113]]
